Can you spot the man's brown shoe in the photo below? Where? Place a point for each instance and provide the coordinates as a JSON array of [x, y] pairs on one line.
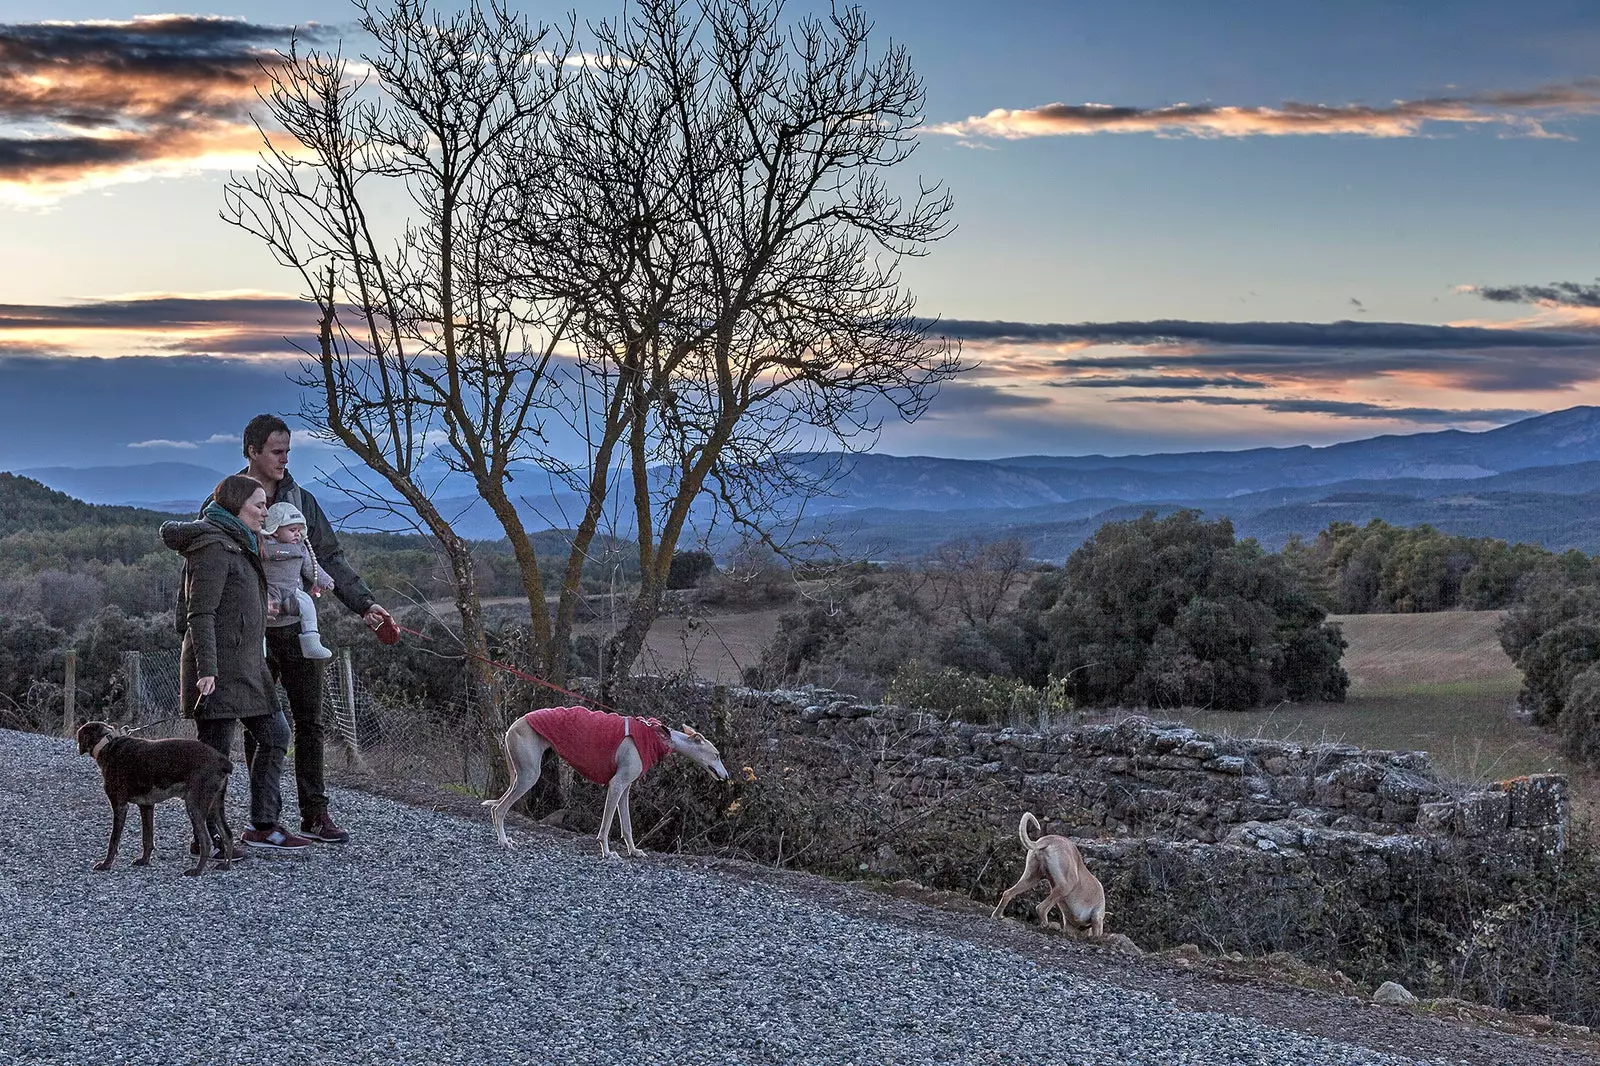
[[320, 828]]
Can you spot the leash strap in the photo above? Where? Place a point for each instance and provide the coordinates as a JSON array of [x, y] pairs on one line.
[[523, 674]]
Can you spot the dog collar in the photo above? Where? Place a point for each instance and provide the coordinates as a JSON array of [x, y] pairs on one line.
[[94, 752]]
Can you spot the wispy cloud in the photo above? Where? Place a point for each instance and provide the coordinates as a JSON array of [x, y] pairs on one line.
[[1515, 112], [1341, 334], [1289, 354], [1348, 409], [1158, 381], [91, 103], [233, 323], [958, 399], [162, 442], [1556, 294]]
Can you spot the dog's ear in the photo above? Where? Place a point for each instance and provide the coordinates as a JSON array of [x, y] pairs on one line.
[[690, 732]]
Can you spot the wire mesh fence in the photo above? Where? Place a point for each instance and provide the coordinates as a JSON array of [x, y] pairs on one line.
[[444, 745]]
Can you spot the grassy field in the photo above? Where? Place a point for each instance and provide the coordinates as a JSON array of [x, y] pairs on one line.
[[716, 647], [1434, 682]]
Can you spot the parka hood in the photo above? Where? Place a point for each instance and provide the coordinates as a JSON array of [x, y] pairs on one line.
[[187, 537]]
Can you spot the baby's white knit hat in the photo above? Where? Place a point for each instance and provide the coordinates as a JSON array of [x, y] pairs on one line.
[[282, 514]]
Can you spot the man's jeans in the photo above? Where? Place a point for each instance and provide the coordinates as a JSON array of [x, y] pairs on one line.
[[302, 681], [266, 741]]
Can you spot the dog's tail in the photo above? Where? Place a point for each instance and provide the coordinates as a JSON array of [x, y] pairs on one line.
[[1022, 831]]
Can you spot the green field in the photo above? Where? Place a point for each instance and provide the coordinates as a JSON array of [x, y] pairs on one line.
[[1435, 682]]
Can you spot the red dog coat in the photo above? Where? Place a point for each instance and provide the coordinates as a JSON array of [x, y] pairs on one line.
[[588, 740]]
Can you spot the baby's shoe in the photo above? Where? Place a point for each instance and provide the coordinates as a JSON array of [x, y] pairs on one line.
[[312, 648]]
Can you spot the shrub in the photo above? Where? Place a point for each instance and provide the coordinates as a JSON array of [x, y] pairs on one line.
[[688, 568], [1551, 663], [1174, 612], [972, 697]]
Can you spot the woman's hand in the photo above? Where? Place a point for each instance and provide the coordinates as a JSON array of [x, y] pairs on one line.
[[206, 685]]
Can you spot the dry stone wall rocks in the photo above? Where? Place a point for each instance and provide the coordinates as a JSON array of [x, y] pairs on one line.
[[1226, 833]]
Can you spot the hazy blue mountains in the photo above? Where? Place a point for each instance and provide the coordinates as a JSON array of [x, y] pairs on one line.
[[1537, 480]]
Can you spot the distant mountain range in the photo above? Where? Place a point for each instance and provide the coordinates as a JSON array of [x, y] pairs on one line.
[[1537, 480]]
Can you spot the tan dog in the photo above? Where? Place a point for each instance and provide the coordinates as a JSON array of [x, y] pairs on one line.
[[1074, 891]]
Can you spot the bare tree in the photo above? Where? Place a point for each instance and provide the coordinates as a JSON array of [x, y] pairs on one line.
[[424, 349], [683, 241], [976, 574], [723, 226]]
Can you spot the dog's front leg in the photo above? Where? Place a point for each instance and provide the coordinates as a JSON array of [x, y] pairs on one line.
[[119, 815], [147, 830]]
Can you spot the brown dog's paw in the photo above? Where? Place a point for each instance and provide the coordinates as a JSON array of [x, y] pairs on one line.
[[102, 866], [141, 862], [193, 871]]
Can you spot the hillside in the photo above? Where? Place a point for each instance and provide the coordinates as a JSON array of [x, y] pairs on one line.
[[29, 506]]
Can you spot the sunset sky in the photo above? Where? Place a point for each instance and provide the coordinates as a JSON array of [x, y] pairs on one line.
[[1181, 225]]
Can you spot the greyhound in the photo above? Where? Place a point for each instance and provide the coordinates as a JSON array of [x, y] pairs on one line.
[[146, 772], [608, 749], [1074, 890]]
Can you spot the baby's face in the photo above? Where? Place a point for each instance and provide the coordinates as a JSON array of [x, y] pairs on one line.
[[289, 534]]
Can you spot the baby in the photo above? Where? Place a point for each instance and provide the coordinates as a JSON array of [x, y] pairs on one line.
[[293, 575]]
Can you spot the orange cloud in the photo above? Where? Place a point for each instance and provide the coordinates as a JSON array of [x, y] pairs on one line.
[[85, 104], [1522, 112]]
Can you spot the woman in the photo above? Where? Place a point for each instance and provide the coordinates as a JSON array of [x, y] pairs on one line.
[[223, 671]]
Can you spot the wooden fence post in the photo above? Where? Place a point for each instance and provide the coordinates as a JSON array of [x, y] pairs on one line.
[[133, 685], [69, 696], [347, 728]]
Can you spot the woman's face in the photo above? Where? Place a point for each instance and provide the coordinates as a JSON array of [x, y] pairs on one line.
[[254, 511]]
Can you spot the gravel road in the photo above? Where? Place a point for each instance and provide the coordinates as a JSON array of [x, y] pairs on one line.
[[422, 942]]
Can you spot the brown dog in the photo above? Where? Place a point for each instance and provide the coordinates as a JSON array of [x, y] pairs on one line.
[[1074, 890], [147, 772]]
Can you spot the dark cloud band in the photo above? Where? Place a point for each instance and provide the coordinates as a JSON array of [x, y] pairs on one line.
[[1342, 334], [1345, 409]]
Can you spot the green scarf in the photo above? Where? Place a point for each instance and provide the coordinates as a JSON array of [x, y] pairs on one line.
[[229, 521]]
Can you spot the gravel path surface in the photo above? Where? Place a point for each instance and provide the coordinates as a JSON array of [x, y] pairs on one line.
[[423, 942]]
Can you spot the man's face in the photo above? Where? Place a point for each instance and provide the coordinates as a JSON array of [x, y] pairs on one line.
[[272, 461]]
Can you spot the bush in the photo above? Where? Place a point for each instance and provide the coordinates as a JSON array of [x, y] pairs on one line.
[[1551, 663], [971, 697], [1174, 612], [688, 568], [856, 645]]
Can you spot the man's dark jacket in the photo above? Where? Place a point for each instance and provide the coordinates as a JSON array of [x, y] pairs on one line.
[[222, 609]]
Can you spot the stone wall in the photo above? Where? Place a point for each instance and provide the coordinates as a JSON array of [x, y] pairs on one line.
[[1138, 777], [1242, 844]]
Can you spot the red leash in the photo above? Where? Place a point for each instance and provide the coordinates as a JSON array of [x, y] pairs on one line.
[[508, 668]]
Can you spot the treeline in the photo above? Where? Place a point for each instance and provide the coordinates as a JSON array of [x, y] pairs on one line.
[[1379, 568], [1160, 612], [98, 581], [66, 560]]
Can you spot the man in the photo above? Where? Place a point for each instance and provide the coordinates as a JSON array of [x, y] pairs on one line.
[[266, 448]]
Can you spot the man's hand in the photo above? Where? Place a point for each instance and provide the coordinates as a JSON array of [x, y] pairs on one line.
[[376, 616], [206, 685]]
